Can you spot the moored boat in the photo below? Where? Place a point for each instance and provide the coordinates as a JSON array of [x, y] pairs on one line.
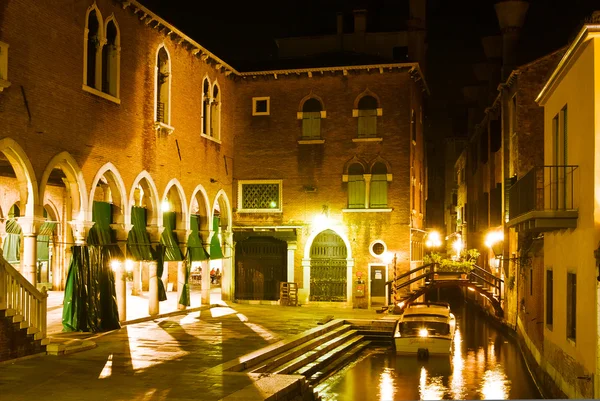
[[425, 328]]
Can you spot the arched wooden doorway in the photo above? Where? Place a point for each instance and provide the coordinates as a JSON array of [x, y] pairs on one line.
[[328, 268], [261, 264]]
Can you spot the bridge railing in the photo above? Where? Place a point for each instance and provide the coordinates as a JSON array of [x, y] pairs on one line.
[[487, 279], [420, 273], [428, 272]]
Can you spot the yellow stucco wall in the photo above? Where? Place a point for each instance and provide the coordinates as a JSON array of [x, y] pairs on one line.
[[572, 250]]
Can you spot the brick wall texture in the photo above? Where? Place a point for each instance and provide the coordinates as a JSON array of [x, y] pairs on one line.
[[51, 127]]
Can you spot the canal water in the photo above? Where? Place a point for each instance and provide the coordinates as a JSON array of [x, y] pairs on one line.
[[485, 364]]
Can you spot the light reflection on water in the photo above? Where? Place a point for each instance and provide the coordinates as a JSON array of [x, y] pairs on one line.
[[483, 365]]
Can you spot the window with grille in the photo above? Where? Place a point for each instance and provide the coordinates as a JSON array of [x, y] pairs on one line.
[[259, 196]]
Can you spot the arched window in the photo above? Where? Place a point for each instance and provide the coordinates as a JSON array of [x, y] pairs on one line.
[[378, 193], [367, 117], [205, 107], [93, 45], [163, 86], [215, 113], [110, 60], [311, 119], [356, 186]]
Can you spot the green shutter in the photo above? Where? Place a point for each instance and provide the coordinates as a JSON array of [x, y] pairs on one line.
[[378, 191], [356, 192], [367, 123], [311, 125]]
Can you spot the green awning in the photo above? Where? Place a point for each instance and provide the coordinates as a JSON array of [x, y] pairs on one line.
[[47, 228], [195, 245], [101, 233], [11, 248], [12, 227], [168, 238], [215, 243], [138, 240]]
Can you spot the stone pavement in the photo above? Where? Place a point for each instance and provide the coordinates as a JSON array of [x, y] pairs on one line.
[[164, 358]]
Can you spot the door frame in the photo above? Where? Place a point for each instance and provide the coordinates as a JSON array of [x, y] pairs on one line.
[[385, 266], [304, 292]]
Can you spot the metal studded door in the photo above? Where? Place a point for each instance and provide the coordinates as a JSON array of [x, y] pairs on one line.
[[261, 264], [328, 269]]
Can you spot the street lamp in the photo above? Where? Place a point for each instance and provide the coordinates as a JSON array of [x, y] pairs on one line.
[[458, 246], [433, 240], [494, 240]]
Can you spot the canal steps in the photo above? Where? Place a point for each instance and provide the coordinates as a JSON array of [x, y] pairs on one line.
[[320, 352]]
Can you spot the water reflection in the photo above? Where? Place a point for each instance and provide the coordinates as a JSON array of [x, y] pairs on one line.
[[483, 365], [386, 385]]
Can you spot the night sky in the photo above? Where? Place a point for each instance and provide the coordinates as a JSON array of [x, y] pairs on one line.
[[243, 32]]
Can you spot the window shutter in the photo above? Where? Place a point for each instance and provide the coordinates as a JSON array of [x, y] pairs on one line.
[[356, 192], [378, 191], [311, 124], [367, 123]]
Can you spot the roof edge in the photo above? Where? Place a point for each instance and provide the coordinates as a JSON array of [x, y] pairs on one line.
[[582, 36]]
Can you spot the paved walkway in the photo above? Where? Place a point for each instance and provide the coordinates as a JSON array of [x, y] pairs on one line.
[[165, 358]]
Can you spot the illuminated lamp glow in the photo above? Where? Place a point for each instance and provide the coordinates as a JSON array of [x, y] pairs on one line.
[[165, 206], [115, 265], [423, 333], [129, 265]]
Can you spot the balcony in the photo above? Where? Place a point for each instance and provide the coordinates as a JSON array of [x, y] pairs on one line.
[[543, 200]]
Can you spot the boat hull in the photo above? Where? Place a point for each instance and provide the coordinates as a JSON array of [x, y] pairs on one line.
[[418, 345]]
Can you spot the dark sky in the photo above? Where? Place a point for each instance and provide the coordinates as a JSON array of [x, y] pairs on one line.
[[238, 31]]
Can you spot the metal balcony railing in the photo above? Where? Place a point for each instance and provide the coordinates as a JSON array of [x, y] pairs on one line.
[[160, 112], [543, 188]]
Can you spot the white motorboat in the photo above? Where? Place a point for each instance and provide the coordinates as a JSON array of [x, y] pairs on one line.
[[425, 328]]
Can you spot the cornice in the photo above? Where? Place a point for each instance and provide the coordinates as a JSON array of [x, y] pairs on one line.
[[152, 20], [584, 34]]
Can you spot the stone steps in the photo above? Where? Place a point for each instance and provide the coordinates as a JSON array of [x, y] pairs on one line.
[[299, 362], [341, 361], [300, 350]]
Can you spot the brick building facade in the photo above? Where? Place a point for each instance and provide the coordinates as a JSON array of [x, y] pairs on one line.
[[105, 101]]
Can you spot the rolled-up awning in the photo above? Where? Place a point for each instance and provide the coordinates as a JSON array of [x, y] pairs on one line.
[[138, 241], [169, 239], [195, 244], [215, 243]]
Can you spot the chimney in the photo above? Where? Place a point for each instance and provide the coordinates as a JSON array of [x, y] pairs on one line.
[[360, 21], [511, 16], [340, 31], [417, 31], [492, 47]]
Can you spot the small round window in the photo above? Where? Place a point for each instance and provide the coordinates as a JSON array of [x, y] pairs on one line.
[[378, 248]]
